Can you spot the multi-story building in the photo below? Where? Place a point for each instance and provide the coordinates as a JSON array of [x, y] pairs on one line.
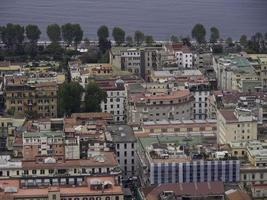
[[6, 68], [38, 146], [89, 188], [197, 190], [178, 127], [125, 143], [116, 95], [168, 163], [53, 172], [131, 60], [201, 91], [155, 106], [8, 127], [150, 59], [38, 100], [255, 101], [236, 73], [184, 57], [236, 125], [260, 67]]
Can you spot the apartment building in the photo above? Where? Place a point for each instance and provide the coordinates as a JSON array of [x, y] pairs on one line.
[[168, 162], [8, 127], [100, 188], [131, 60], [201, 92], [6, 68], [39, 146], [54, 171], [260, 66], [178, 127], [155, 106], [116, 95], [236, 125], [125, 143], [236, 73], [204, 190], [184, 57], [38, 100], [254, 101], [150, 60]]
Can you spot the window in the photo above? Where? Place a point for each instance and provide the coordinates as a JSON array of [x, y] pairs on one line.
[[34, 171], [107, 198], [125, 153], [54, 196], [132, 153], [125, 146], [132, 161], [253, 176], [125, 161]]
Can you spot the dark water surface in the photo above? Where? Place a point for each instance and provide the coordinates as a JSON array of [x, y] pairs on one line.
[[160, 18]]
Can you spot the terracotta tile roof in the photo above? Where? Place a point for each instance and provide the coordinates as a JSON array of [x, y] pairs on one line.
[[186, 189], [229, 115], [237, 195], [65, 190], [93, 115], [109, 160]]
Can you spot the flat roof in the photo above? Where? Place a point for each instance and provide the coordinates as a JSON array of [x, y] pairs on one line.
[[121, 133], [107, 159], [43, 134]]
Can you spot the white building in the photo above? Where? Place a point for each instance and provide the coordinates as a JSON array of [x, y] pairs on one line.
[[184, 58], [116, 95], [130, 60], [201, 92], [122, 136]]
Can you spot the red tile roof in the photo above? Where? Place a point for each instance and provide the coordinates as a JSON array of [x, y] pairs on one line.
[[186, 189]]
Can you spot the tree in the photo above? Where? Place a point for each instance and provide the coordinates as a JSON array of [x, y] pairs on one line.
[[104, 45], [33, 33], [265, 36], [214, 34], [149, 40], [118, 35], [69, 94], [199, 33], [77, 34], [129, 40], [53, 32], [67, 33], [12, 36], [243, 40], [55, 50], [174, 39], [89, 57], [229, 41], [103, 32], [139, 37], [103, 42], [94, 95]]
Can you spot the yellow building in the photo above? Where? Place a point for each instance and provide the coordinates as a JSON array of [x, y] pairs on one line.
[[237, 125], [38, 100]]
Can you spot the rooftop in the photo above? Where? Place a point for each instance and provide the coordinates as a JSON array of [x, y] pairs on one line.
[[106, 159], [43, 134], [121, 133], [203, 189], [89, 187]]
